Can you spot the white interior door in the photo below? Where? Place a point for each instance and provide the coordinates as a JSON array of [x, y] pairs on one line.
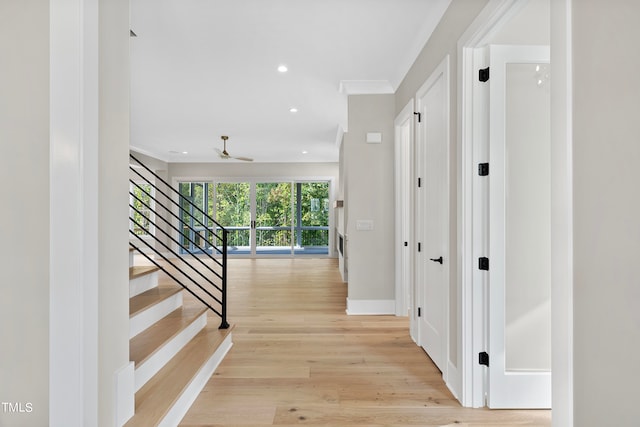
[[403, 188], [432, 219], [518, 312]]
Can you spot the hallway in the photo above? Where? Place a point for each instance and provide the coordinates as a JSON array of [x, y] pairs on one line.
[[299, 359]]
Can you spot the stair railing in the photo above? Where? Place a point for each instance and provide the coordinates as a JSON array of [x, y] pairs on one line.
[[207, 285]]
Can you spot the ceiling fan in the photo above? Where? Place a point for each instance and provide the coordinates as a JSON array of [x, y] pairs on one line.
[[225, 155]]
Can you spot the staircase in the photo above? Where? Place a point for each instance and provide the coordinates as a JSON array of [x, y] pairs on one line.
[[178, 333], [175, 348]]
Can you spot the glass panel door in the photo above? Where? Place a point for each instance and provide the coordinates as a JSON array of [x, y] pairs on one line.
[[233, 211], [196, 230], [311, 218], [273, 218]]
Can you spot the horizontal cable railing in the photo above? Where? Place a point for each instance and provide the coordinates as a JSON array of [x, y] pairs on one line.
[[201, 267]]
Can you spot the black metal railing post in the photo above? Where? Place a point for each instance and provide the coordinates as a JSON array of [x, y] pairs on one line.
[[223, 323], [180, 270]]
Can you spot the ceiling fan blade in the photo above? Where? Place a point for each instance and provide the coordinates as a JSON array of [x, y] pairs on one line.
[[244, 159], [221, 154]]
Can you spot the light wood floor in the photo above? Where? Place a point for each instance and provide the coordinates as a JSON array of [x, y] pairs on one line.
[[299, 359]]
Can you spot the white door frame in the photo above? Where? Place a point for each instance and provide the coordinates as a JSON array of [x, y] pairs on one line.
[[482, 29], [442, 71], [404, 217]]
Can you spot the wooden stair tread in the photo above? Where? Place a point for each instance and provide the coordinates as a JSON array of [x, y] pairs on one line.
[[141, 270], [151, 297], [158, 395], [147, 342]]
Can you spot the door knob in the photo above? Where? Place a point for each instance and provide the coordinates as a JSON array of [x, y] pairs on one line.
[[436, 260]]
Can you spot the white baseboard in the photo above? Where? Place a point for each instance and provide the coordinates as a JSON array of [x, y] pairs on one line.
[[186, 399], [125, 394], [361, 307], [454, 381]]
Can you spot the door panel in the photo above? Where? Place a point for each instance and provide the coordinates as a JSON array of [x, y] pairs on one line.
[[273, 218], [311, 218], [234, 213], [433, 215], [519, 325]]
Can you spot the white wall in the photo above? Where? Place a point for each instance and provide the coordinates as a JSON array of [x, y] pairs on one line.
[[369, 195], [444, 42], [529, 26], [24, 210], [606, 177]]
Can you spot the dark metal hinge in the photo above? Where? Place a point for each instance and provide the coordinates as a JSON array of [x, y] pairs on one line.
[[419, 246], [483, 169], [419, 182], [419, 116], [419, 312], [483, 263], [483, 358], [483, 75]]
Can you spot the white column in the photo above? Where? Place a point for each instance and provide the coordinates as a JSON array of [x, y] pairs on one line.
[[73, 213]]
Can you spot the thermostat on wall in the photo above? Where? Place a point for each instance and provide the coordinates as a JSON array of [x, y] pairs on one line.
[[374, 137]]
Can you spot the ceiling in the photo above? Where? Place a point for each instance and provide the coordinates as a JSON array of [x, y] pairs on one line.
[[205, 68]]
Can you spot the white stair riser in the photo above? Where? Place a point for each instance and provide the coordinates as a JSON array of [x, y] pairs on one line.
[[131, 258], [189, 395], [143, 283], [152, 365], [151, 315]]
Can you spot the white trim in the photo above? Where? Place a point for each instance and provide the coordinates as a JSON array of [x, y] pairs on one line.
[[73, 205], [373, 307], [411, 52], [153, 314], [486, 24], [125, 393], [143, 283], [442, 71], [562, 214], [403, 174], [191, 392], [453, 380]]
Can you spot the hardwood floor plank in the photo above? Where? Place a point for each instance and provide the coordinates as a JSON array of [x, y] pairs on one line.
[[299, 359]]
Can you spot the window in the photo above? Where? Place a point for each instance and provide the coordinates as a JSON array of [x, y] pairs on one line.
[[142, 211]]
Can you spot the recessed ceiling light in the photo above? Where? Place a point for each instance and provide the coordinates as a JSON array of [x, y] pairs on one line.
[[283, 68], [293, 110], [185, 152], [305, 152]]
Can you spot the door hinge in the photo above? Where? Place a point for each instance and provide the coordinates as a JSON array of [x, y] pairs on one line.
[[419, 246], [483, 169], [419, 312], [483, 75], [406, 243], [419, 116], [253, 225], [483, 263], [483, 358], [419, 182]]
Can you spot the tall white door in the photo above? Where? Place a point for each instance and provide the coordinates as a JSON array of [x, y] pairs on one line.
[[404, 142], [432, 215], [519, 265]]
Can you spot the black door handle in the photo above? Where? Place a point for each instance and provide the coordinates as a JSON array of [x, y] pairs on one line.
[[436, 260]]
